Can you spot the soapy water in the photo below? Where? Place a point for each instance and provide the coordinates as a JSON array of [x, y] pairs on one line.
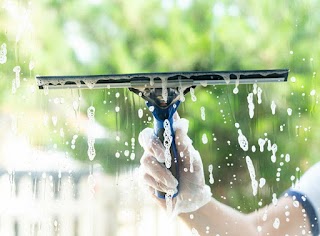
[[16, 81], [242, 140], [262, 182], [203, 113], [164, 89], [140, 113], [91, 139], [73, 141], [192, 94], [274, 149], [274, 199], [3, 53], [276, 223], [204, 139], [210, 169], [168, 198], [252, 173], [273, 107], [236, 89], [250, 105], [167, 142], [258, 92]]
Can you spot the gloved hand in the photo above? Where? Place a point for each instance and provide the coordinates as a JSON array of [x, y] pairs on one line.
[[193, 192]]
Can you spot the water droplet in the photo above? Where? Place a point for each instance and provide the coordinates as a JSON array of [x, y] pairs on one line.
[[255, 91], [3, 53], [259, 95], [313, 92], [250, 105], [151, 108], [289, 111], [126, 153], [274, 149], [90, 112], [204, 139], [237, 125], [31, 65], [273, 107], [262, 182], [259, 228], [91, 139], [293, 79], [140, 113], [167, 142], [254, 182], [242, 140], [276, 223], [117, 155], [211, 179], [193, 96], [194, 232], [261, 143], [117, 108], [203, 113], [274, 199]]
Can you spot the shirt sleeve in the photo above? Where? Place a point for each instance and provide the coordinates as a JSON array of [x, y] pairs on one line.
[[307, 192]]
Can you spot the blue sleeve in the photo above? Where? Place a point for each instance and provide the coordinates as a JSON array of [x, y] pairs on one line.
[[309, 208], [307, 192]]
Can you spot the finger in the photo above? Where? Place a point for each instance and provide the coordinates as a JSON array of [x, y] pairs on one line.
[[188, 156], [145, 137], [152, 144], [158, 171], [181, 126], [151, 182], [176, 116]]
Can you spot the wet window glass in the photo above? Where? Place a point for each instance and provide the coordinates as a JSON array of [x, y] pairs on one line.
[[159, 117]]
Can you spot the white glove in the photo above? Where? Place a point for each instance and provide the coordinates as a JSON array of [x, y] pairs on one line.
[[193, 192]]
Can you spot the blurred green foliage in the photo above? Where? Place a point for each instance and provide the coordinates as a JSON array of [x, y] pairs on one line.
[[118, 36]]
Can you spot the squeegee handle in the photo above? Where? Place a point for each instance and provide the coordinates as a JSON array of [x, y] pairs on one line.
[[160, 116], [174, 167]]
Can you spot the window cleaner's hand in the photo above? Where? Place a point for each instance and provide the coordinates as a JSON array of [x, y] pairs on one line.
[[193, 192]]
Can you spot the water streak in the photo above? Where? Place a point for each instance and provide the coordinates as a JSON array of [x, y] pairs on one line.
[[3, 53], [250, 105], [91, 139], [243, 142], [211, 179], [167, 142], [252, 173]]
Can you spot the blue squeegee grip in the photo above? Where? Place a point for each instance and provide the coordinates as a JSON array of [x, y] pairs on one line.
[[160, 115]]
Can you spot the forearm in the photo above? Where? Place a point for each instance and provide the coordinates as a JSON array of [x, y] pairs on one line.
[[216, 218]]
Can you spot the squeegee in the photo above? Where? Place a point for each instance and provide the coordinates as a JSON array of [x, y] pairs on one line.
[[163, 93]]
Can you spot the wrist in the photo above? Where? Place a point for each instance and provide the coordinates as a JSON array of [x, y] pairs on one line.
[[193, 203]]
